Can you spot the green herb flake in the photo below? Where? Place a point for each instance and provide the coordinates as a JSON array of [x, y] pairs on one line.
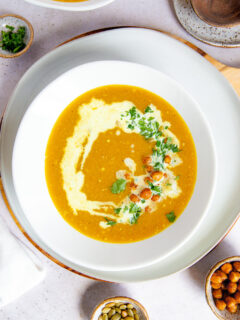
[[13, 41], [118, 186], [117, 210], [177, 178], [110, 222], [171, 216], [148, 110]]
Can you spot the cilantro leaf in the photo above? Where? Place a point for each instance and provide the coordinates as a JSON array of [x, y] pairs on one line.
[[118, 186], [110, 222], [171, 216], [148, 110], [117, 210]]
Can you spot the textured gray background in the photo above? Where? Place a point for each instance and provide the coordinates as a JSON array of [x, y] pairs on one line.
[[63, 295]]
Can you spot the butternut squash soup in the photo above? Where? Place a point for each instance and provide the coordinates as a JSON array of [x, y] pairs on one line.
[[120, 164]]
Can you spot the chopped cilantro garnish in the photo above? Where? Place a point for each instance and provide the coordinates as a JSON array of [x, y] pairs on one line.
[[130, 126], [166, 127], [171, 216], [133, 113], [148, 110], [117, 210], [13, 41], [143, 201], [168, 184], [118, 186], [177, 177], [110, 222]]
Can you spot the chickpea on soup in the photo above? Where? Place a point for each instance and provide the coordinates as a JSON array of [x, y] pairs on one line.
[[120, 164]]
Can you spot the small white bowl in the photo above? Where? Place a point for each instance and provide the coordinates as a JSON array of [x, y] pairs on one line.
[[222, 315], [29, 168], [16, 22], [71, 6], [141, 311]]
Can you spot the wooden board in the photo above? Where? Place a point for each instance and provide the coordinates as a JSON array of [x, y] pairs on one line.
[[233, 76]]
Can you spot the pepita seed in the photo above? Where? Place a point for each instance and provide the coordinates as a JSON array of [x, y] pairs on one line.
[[123, 307], [136, 317], [118, 304], [129, 318], [106, 310], [124, 313], [130, 306], [118, 310], [130, 313], [111, 313], [110, 304], [117, 316], [105, 317]]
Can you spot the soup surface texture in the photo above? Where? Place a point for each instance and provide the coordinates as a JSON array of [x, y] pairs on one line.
[[120, 164]]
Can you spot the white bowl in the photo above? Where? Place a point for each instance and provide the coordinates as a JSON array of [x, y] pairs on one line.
[[71, 6], [29, 176]]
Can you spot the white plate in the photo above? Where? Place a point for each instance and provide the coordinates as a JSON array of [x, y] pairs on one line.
[[71, 6], [29, 167], [206, 85]]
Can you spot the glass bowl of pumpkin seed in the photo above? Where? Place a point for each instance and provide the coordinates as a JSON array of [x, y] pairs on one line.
[[120, 308]]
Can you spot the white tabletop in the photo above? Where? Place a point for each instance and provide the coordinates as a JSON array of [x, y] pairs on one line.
[[64, 295]]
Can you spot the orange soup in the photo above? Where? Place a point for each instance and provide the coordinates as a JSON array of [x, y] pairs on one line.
[[120, 164]]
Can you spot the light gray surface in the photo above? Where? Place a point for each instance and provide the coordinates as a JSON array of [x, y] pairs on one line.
[[64, 295]]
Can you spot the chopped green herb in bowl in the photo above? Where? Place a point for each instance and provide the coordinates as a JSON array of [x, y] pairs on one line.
[[16, 36], [11, 40]]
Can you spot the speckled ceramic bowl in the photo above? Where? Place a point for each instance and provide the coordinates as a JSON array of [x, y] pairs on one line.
[[223, 315], [140, 309], [16, 22]]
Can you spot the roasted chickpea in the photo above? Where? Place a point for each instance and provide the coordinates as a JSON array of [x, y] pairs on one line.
[[232, 287], [226, 267], [147, 209], [134, 198], [236, 266], [149, 168], [220, 304], [148, 179], [216, 278], [155, 197], [167, 159], [146, 160], [232, 309], [230, 301], [221, 274], [216, 285], [234, 276], [157, 175], [217, 294], [146, 193], [237, 297], [133, 186]]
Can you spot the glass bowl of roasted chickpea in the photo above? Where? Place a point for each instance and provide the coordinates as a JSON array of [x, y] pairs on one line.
[[223, 289]]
